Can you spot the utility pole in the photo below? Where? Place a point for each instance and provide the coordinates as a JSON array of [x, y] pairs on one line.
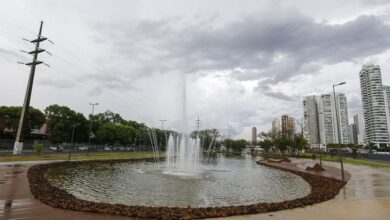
[[162, 122], [338, 130], [198, 125], [18, 147]]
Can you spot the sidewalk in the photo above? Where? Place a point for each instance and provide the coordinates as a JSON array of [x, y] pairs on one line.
[[16, 201]]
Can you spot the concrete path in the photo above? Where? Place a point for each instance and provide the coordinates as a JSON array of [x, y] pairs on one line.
[[366, 196]]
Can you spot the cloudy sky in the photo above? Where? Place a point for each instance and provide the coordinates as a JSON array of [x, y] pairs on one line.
[[243, 62]]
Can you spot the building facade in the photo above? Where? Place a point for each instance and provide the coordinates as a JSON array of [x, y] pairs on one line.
[[386, 93], [310, 120], [374, 106], [254, 136], [353, 134], [331, 109], [359, 124], [276, 129], [288, 127]]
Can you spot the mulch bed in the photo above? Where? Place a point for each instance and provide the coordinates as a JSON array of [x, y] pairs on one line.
[[322, 189]]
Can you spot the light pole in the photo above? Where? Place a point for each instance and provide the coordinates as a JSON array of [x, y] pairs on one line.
[[165, 133], [338, 130], [90, 126], [72, 140], [90, 121], [319, 135]]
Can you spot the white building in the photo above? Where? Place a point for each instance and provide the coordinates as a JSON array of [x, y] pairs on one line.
[[310, 120], [254, 136], [359, 123], [386, 93], [374, 106], [330, 110]]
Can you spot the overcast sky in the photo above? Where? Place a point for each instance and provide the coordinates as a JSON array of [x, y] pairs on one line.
[[245, 62]]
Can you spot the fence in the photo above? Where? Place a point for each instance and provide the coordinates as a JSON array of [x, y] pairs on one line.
[[7, 146]]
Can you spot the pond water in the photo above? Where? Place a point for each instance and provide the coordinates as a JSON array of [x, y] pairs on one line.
[[225, 181]]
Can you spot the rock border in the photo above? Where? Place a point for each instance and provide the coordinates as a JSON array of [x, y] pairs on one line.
[[322, 189]]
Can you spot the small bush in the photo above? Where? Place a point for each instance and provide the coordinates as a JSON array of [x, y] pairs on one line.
[[38, 148]]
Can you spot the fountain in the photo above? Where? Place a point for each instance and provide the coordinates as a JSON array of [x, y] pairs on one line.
[[183, 155], [189, 176]]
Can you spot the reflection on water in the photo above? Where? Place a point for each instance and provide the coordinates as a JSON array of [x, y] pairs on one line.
[[225, 181]]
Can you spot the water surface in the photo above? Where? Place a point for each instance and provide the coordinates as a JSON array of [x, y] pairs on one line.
[[225, 181]]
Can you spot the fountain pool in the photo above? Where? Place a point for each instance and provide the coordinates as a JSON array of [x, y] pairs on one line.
[[225, 181]]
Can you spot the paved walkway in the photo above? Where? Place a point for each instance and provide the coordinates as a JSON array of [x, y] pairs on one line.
[[16, 201], [366, 196]]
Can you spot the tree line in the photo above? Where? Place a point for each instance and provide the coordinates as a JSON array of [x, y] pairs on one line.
[[271, 142], [107, 127]]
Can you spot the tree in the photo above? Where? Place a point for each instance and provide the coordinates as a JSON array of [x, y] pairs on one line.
[[235, 145], [300, 143], [282, 144], [60, 121], [113, 134], [265, 135], [10, 117], [266, 145], [207, 136], [354, 149]]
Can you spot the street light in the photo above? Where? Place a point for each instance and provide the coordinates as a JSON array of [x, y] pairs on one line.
[[319, 135], [90, 122], [90, 126], [338, 130], [72, 140]]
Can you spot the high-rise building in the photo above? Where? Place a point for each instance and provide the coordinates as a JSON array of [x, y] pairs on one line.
[[276, 128], [330, 110], [310, 120], [374, 106], [353, 134], [254, 136], [288, 127], [359, 123], [386, 93]]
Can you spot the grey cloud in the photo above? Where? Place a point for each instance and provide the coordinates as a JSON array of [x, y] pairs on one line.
[[277, 47], [58, 83], [281, 96], [11, 55]]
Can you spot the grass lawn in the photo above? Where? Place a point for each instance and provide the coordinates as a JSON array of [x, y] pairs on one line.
[[75, 156], [357, 161], [345, 160]]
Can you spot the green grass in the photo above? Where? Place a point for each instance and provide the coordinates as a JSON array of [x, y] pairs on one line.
[[75, 156], [357, 161], [345, 160]]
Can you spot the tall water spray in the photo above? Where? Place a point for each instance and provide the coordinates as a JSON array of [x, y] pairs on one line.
[[183, 152]]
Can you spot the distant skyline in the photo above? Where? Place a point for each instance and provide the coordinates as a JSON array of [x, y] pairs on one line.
[[246, 62]]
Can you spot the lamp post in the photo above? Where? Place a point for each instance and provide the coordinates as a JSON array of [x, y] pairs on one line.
[[72, 140], [90, 126], [319, 135], [338, 130]]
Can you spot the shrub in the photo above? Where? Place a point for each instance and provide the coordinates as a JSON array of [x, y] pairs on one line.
[[38, 148]]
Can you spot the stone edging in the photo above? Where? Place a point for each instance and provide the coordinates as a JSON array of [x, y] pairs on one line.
[[322, 189]]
